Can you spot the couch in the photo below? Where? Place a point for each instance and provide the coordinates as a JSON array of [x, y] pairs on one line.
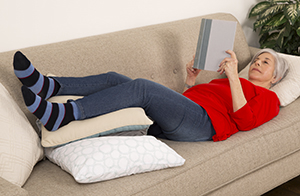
[[247, 163]]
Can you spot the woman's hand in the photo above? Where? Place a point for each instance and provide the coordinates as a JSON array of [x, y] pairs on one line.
[[229, 65], [192, 73]]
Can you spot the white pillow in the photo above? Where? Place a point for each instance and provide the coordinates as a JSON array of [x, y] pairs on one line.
[[128, 119], [105, 158], [20, 147], [289, 88]]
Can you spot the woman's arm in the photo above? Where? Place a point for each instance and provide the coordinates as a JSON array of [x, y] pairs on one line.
[[192, 74], [229, 66]]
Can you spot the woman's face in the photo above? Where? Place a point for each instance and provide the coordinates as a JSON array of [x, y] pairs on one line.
[[262, 69]]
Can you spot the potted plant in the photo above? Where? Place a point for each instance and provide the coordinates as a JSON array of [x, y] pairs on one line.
[[279, 24]]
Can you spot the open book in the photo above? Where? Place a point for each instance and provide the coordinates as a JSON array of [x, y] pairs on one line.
[[215, 37]]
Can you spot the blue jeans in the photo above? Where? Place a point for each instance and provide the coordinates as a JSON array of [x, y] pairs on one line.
[[175, 116]]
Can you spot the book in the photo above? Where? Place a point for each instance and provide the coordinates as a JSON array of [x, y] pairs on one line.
[[215, 37]]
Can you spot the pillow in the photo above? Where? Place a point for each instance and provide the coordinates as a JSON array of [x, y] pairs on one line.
[[289, 88], [105, 158], [122, 120], [20, 147]]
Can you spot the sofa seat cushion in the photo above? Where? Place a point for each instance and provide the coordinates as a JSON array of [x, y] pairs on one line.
[[215, 163]]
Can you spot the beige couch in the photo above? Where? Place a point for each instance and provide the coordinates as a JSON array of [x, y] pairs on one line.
[[248, 163]]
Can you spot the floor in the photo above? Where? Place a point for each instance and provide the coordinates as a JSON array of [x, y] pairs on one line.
[[290, 188]]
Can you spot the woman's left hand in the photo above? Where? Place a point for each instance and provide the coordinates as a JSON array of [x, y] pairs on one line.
[[229, 65]]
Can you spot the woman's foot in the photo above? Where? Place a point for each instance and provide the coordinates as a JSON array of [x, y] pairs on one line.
[[52, 115], [39, 84]]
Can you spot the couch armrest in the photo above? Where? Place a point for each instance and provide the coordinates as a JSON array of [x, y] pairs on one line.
[[253, 50], [7, 188]]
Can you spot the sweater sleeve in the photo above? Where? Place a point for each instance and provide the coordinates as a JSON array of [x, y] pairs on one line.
[[260, 109]]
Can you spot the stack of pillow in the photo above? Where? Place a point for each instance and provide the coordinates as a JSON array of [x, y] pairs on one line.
[[78, 149]]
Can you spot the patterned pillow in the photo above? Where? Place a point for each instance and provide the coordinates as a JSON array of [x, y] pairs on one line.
[[105, 158], [20, 147]]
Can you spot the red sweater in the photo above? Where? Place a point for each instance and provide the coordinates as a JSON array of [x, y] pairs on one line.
[[215, 97]]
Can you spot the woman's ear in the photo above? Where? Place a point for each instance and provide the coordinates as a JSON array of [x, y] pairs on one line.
[[273, 81]]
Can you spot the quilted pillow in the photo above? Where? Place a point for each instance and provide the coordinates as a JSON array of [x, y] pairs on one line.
[[289, 88], [105, 158], [20, 147], [128, 119]]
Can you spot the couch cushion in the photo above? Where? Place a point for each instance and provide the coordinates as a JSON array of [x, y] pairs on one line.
[[20, 147]]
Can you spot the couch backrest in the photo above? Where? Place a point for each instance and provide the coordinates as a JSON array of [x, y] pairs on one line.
[[158, 52]]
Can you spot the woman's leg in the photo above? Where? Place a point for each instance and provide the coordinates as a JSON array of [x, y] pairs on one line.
[[84, 86], [176, 116], [46, 87]]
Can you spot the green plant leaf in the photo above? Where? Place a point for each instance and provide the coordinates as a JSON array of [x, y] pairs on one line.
[[279, 23], [298, 31], [291, 12], [263, 38], [259, 8], [273, 36], [277, 20], [287, 30], [269, 44], [268, 41], [286, 39], [291, 36], [279, 1], [261, 22], [280, 39], [266, 29], [273, 10]]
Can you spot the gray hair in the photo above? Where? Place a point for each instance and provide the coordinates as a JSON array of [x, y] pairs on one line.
[[281, 65]]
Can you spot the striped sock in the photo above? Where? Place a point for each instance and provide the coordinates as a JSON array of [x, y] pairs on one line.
[[52, 115], [41, 85]]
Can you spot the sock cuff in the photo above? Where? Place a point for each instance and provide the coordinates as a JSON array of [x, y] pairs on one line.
[[60, 116], [45, 118], [75, 110], [50, 88]]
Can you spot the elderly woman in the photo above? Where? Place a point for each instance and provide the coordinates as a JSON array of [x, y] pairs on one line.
[[212, 111], [236, 104]]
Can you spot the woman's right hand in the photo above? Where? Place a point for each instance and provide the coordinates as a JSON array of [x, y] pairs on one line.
[[192, 73]]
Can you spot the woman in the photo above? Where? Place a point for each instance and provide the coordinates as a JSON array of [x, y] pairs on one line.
[[204, 112], [236, 104]]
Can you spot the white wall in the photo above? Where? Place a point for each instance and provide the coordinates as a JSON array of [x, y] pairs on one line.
[[27, 23]]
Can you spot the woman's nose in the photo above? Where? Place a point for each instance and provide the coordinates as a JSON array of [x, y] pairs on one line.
[[258, 63]]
